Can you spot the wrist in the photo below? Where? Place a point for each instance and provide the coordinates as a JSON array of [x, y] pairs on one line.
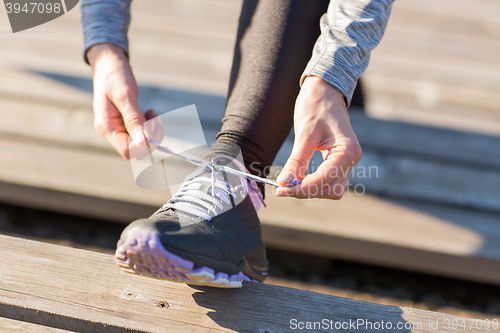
[[323, 87], [105, 51]]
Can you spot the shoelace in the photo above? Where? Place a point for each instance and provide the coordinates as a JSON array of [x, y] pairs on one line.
[[191, 200]]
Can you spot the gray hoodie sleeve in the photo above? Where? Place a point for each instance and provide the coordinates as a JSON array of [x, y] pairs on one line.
[[349, 31], [105, 21]]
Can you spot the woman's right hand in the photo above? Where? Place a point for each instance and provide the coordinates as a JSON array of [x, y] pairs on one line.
[[117, 116]]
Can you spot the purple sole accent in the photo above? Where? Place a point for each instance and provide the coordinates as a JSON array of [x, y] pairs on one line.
[[142, 253]]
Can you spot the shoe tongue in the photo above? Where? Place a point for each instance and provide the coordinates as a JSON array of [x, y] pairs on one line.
[[206, 187], [220, 175]]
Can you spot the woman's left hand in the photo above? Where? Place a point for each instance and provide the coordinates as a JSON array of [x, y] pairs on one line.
[[321, 123]]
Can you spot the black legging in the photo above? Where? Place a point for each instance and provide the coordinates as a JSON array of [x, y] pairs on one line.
[[273, 46]]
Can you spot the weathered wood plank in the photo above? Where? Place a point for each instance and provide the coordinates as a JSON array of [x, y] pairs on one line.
[[396, 233], [437, 63], [407, 160], [83, 291], [10, 325], [357, 228]]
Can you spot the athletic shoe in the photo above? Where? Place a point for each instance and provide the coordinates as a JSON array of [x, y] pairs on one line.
[[207, 234]]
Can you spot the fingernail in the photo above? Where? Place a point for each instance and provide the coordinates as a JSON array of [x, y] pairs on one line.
[[285, 177], [138, 137]]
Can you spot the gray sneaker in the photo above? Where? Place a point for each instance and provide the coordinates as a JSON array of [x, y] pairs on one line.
[[207, 234]]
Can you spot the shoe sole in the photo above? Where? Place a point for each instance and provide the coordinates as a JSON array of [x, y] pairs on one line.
[[142, 253]]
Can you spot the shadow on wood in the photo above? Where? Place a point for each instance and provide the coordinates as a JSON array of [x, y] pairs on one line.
[[84, 291]]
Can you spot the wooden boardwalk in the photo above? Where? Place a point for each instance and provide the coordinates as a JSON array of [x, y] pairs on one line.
[[438, 64], [425, 223], [433, 207], [84, 291]]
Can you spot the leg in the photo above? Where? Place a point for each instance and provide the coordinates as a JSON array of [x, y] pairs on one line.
[[274, 43], [200, 237]]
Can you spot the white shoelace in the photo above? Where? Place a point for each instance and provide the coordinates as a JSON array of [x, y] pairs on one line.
[[191, 200]]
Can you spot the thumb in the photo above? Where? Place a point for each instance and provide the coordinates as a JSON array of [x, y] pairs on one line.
[[298, 162]]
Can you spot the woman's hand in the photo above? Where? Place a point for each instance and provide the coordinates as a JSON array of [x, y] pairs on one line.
[[321, 123], [118, 117]]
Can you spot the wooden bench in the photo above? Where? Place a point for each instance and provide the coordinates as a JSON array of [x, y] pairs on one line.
[[45, 287]]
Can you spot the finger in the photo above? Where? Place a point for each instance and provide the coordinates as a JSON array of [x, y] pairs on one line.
[[109, 124], [152, 128], [150, 114], [133, 119], [298, 161], [334, 190], [119, 141], [339, 162]]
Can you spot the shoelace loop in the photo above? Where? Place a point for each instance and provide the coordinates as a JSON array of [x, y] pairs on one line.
[[188, 195]]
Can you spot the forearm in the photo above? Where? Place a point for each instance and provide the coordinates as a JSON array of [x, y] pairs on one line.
[[349, 31], [105, 21]]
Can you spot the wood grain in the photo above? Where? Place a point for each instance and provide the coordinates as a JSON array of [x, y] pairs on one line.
[[405, 234], [82, 291]]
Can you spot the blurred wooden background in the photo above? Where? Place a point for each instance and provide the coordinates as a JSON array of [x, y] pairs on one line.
[[435, 207]]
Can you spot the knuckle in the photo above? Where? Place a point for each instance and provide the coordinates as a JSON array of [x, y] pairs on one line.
[[353, 153], [296, 161], [100, 128], [357, 152], [131, 120]]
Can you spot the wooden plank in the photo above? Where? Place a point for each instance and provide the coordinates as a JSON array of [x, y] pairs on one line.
[[10, 325], [74, 203], [427, 142], [77, 172], [417, 58], [407, 160], [482, 10], [396, 233], [86, 292], [447, 47], [437, 64], [447, 79], [75, 123], [439, 240]]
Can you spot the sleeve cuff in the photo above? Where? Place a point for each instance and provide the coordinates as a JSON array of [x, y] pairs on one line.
[[94, 41], [335, 76]]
